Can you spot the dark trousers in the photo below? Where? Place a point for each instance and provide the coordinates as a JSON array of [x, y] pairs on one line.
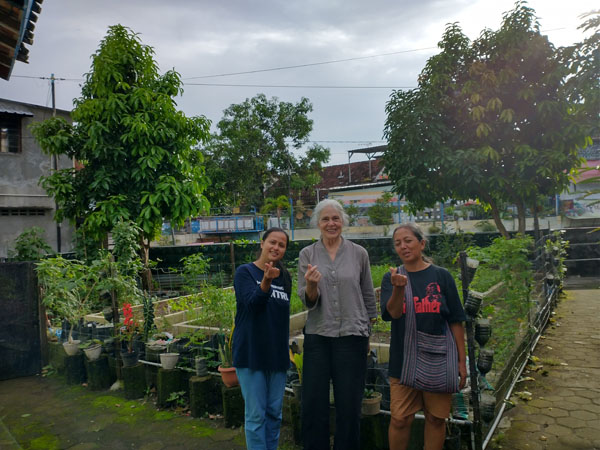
[[344, 361]]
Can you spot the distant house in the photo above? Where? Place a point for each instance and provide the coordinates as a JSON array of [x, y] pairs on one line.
[[23, 202], [572, 205]]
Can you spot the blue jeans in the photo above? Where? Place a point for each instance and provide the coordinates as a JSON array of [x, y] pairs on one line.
[[263, 397], [344, 361]]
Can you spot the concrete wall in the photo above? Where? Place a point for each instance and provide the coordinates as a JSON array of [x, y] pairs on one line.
[[23, 202]]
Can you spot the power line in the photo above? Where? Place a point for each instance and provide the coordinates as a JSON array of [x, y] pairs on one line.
[[301, 86], [321, 63]]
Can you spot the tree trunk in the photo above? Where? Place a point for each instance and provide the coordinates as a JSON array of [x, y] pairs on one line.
[[146, 274], [521, 217], [495, 214]]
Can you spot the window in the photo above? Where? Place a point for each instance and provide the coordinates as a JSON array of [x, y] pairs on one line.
[[22, 212], [10, 133]]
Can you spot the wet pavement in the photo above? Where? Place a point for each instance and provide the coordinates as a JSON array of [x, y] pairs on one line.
[[557, 406]]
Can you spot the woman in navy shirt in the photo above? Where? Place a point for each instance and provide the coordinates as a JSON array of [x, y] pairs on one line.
[[260, 338]]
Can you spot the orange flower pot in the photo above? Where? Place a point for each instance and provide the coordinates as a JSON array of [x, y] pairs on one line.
[[229, 376]]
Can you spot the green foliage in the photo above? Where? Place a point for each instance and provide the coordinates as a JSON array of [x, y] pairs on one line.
[[253, 150], [148, 310], [126, 237], [137, 151], [353, 212], [299, 363], [276, 204], [70, 288], [30, 245], [485, 226], [212, 307], [489, 121], [195, 268], [377, 273], [508, 261], [381, 212], [556, 249], [448, 246], [225, 344], [177, 399]]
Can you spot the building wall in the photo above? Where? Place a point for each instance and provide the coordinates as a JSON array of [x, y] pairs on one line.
[[23, 202]]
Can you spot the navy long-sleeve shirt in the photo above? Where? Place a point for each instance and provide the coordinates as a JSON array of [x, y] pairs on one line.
[[262, 321]]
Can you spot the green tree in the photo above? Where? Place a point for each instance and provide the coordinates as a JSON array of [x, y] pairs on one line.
[[253, 151], [137, 151], [381, 212], [30, 245], [353, 212], [490, 120], [276, 204]]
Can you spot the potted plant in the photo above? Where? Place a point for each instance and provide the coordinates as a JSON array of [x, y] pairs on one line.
[[129, 331], [228, 374], [371, 402], [298, 360], [69, 291], [169, 359], [202, 352], [92, 349]]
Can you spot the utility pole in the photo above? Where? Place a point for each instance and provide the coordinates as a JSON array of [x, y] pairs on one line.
[[54, 165]]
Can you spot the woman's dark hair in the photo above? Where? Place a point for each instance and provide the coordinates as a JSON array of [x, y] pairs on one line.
[[417, 232], [287, 279]]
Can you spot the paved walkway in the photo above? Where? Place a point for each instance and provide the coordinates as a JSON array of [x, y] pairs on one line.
[[564, 386]]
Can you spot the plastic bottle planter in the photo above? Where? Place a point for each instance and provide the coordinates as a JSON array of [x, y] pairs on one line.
[[472, 265], [487, 407], [201, 366], [483, 331], [472, 304], [168, 360], [485, 360]]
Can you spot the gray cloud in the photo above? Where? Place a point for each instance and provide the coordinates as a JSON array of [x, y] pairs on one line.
[[203, 37]]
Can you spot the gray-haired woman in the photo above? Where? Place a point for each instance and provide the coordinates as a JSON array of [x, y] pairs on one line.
[[334, 283]]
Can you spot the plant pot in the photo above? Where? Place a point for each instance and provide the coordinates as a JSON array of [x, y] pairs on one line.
[[130, 359], [153, 352], [201, 366], [168, 360], [229, 376], [93, 352], [487, 407], [371, 406], [71, 348], [297, 388]]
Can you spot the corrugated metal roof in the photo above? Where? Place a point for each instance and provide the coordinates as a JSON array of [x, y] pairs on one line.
[[590, 153], [11, 108]]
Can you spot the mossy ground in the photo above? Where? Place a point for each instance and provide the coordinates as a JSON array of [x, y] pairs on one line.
[[45, 413]]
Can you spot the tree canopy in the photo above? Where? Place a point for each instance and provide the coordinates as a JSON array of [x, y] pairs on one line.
[[490, 120], [136, 153], [252, 153]]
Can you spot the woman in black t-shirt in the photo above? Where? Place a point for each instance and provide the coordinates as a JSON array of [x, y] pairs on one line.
[[436, 303]]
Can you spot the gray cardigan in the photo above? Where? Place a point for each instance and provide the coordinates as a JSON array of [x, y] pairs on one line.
[[346, 299]]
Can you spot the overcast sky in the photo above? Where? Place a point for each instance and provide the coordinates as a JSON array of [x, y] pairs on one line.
[[386, 42]]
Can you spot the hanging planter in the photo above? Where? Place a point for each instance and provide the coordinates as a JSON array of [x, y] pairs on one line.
[[485, 360], [487, 406], [169, 360], [483, 331], [93, 352], [297, 388], [72, 347], [472, 304]]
